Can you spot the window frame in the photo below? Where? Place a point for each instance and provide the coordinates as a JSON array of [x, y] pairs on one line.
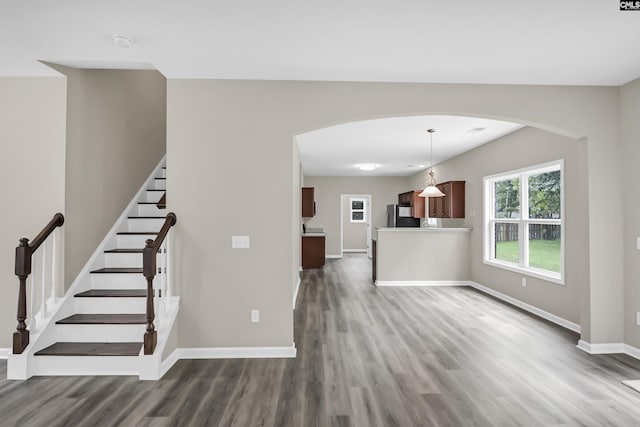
[[523, 222], [363, 210]]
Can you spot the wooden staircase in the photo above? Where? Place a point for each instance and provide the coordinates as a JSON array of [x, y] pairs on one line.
[[103, 324]]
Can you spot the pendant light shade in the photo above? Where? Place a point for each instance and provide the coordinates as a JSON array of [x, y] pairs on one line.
[[430, 189]]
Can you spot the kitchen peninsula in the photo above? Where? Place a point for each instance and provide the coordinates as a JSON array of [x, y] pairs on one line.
[[421, 256]]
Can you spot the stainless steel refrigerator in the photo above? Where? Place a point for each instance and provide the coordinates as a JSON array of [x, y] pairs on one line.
[[400, 216]]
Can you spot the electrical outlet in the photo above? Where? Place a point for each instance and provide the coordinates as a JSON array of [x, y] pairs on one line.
[[524, 282], [638, 243], [240, 242], [255, 316]]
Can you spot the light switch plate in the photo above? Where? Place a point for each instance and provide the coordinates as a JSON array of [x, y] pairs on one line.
[[240, 242], [255, 316], [638, 243]]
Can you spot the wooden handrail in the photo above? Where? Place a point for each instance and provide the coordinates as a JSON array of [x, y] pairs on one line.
[[149, 269], [24, 253]]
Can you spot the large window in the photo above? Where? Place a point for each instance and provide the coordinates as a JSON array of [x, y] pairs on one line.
[[524, 221]]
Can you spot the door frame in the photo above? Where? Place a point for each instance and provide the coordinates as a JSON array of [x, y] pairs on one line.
[[368, 221]]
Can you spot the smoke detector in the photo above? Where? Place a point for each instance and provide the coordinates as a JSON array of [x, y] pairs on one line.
[[122, 40]]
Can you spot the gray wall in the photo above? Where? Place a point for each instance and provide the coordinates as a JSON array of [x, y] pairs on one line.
[[528, 147], [419, 255], [32, 141], [384, 190], [630, 115], [116, 135], [354, 234], [225, 137]]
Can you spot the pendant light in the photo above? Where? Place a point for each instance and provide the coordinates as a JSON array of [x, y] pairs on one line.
[[431, 190]]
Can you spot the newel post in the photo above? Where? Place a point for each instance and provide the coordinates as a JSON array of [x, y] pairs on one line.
[[23, 269], [149, 271]]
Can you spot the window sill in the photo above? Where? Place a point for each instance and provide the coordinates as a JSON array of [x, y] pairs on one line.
[[533, 272]]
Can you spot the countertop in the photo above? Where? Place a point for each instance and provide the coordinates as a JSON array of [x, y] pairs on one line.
[[313, 232], [421, 229]]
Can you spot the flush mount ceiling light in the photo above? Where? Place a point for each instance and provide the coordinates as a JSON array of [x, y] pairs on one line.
[[367, 166], [430, 189], [122, 40]]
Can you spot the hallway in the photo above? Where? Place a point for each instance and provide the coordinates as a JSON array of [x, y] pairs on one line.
[[369, 357]]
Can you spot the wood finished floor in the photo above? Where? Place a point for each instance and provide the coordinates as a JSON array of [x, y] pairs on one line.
[[366, 357]]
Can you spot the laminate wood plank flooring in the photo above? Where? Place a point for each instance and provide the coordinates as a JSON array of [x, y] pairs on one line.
[[367, 356]]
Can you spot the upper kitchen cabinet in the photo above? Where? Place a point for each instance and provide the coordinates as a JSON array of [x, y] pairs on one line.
[[452, 204], [416, 202], [308, 202]]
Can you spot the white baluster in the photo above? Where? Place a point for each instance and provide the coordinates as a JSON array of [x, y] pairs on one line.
[[31, 319], [54, 270], [43, 296], [163, 263], [168, 263]]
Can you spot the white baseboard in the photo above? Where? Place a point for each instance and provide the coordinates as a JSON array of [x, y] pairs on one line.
[[527, 307], [4, 353], [632, 351], [333, 256], [295, 293], [422, 283], [634, 385], [606, 348], [237, 352], [609, 348], [354, 250], [169, 362]]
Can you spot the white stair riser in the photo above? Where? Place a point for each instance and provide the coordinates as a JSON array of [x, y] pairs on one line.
[[159, 184], [163, 173], [153, 196], [100, 333], [151, 210], [87, 305], [145, 224], [133, 241], [84, 365], [118, 281], [123, 260]]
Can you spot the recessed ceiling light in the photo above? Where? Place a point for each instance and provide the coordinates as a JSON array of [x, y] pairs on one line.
[[476, 129], [122, 40], [367, 166]]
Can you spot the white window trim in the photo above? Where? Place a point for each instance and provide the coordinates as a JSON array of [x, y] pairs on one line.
[[489, 221], [363, 210]]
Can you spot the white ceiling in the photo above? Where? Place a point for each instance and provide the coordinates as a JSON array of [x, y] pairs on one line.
[[400, 145], [576, 42]]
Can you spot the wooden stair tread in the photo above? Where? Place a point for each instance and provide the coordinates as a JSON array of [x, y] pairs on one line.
[[136, 233], [104, 319], [147, 203], [108, 270], [146, 217], [159, 178], [123, 251], [92, 349], [155, 189], [113, 293]]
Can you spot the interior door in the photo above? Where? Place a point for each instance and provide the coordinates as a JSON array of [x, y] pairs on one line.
[[368, 211]]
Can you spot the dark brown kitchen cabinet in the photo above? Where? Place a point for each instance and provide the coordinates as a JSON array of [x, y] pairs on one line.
[[452, 204], [308, 202], [313, 248], [374, 260], [416, 202]]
